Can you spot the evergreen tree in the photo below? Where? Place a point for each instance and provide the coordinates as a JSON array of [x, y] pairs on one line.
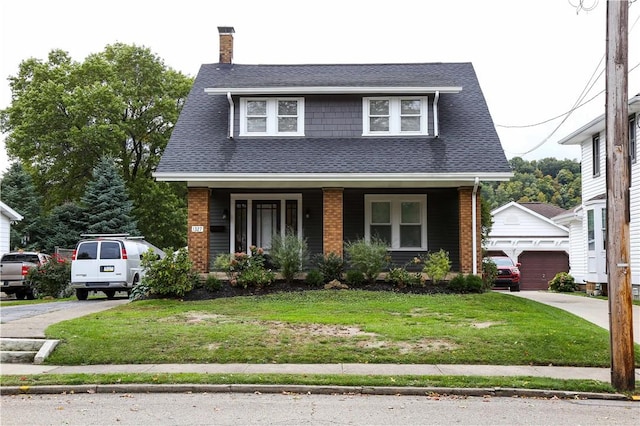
[[64, 227], [19, 193], [107, 207]]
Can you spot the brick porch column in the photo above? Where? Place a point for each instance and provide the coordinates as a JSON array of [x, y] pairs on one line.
[[332, 231], [198, 238], [465, 209]]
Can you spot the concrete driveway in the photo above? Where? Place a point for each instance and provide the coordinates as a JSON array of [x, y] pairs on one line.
[[30, 320], [592, 309]]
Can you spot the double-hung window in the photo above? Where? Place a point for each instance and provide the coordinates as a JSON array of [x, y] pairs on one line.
[[395, 116], [398, 220], [271, 116], [595, 155]]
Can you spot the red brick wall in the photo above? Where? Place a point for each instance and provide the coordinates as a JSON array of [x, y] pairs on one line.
[[198, 215], [466, 236], [226, 48], [332, 232]]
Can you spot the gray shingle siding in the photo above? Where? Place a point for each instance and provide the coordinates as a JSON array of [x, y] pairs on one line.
[[468, 141]]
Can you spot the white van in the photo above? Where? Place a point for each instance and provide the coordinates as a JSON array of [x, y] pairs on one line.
[[108, 263]]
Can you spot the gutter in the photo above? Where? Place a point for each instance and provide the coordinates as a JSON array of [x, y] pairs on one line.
[[474, 224], [231, 114]]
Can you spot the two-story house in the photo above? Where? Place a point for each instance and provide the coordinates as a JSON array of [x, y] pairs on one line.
[[587, 223], [334, 153]]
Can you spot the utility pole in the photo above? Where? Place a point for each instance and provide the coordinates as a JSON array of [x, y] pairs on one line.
[[618, 214]]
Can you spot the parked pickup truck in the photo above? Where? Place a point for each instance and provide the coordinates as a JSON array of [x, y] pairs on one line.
[[14, 267]]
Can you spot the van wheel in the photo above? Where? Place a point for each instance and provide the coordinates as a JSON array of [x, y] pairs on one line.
[[20, 294], [110, 293], [82, 293]]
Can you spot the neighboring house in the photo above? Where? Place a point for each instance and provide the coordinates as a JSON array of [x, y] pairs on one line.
[[7, 216], [335, 153], [587, 222], [526, 233]]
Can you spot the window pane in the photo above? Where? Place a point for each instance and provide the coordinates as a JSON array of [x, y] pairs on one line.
[[110, 250], [410, 236], [287, 107], [379, 107], [255, 124], [87, 251], [410, 124], [379, 124], [381, 212], [604, 229], [382, 233], [410, 107], [256, 107], [410, 212], [287, 124], [591, 234]]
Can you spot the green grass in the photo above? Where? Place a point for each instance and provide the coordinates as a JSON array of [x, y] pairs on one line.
[[334, 327], [311, 379]]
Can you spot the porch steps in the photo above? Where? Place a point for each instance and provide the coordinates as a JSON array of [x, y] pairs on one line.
[[25, 351]]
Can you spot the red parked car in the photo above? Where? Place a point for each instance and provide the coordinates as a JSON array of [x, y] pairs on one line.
[[508, 273]]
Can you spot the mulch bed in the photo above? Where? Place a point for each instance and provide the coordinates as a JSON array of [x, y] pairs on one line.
[[227, 290]]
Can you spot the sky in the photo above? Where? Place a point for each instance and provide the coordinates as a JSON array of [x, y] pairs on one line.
[[535, 60]]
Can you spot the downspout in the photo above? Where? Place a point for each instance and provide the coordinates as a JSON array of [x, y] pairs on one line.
[[231, 114], [474, 224], [436, 131]]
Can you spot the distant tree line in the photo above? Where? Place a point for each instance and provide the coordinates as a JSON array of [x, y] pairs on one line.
[[548, 180]]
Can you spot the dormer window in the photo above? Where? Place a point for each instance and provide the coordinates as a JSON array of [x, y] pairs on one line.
[[272, 117], [395, 116]]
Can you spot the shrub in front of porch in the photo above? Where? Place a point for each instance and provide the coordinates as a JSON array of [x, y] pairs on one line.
[[437, 265], [244, 270], [368, 257], [289, 254]]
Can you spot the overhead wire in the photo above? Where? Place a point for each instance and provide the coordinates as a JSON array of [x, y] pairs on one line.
[[579, 102]]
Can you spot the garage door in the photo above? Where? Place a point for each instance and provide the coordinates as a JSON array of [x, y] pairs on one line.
[[539, 267]]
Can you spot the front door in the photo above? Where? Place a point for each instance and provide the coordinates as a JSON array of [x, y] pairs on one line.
[[256, 218], [266, 222]]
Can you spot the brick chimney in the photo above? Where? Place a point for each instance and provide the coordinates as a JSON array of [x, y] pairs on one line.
[[226, 44]]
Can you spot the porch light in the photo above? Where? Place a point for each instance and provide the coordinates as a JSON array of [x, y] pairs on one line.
[[307, 214], [225, 214]]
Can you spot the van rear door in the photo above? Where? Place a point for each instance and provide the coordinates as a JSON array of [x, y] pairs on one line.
[[99, 262]]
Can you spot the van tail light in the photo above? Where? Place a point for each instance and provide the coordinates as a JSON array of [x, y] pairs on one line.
[[25, 270], [124, 253], [73, 256]]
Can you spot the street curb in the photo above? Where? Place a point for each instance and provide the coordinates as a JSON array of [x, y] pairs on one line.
[[308, 389]]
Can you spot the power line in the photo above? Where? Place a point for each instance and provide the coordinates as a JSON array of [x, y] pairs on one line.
[[578, 103]]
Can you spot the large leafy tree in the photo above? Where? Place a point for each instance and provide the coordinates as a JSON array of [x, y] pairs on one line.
[[107, 208], [122, 102], [18, 192]]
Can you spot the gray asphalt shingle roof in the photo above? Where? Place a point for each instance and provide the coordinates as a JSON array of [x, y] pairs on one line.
[[468, 140]]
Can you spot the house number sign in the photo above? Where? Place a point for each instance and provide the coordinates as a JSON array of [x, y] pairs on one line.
[[197, 229]]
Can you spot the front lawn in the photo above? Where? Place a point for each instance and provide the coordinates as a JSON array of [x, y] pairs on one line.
[[328, 326]]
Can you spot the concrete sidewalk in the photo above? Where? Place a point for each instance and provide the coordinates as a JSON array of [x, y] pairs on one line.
[[584, 373]]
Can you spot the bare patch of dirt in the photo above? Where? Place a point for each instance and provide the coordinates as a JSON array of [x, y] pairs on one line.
[[485, 324]]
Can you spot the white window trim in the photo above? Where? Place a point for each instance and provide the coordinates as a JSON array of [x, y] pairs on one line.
[[272, 117], [250, 199], [394, 116], [395, 200]]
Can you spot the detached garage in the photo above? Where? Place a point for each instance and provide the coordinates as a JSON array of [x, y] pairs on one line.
[[526, 233]]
